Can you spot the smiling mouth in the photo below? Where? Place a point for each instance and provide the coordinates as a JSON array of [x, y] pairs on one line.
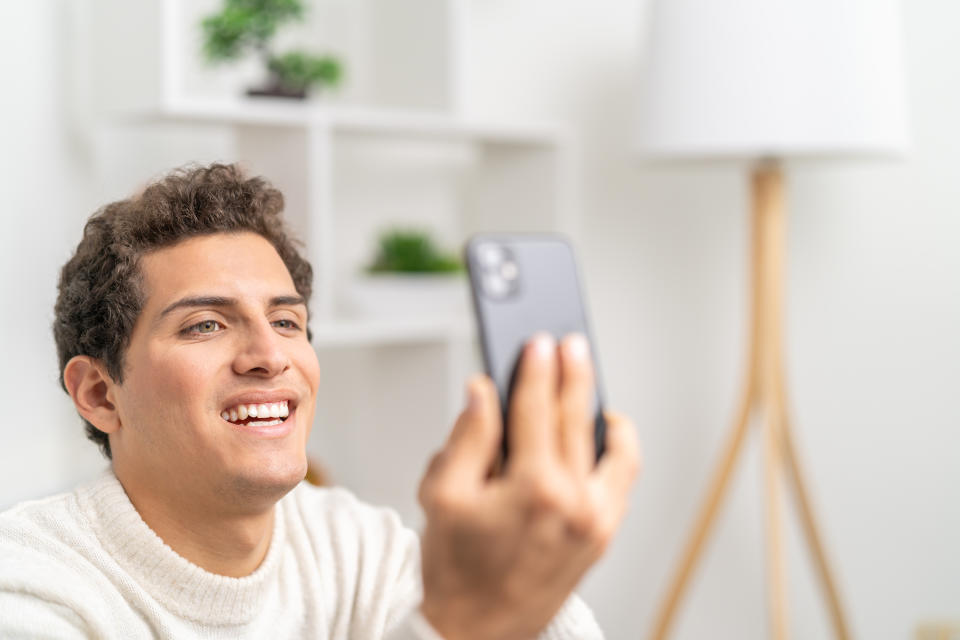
[[257, 415]]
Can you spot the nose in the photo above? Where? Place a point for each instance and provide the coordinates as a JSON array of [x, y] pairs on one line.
[[261, 352]]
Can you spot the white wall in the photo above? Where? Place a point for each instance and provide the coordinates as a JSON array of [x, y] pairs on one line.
[[873, 309], [43, 173]]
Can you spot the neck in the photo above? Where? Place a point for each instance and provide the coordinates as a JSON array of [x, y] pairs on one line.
[[222, 541]]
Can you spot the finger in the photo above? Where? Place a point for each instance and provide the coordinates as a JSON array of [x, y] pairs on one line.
[[614, 477], [577, 397], [532, 433], [474, 442], [460, 467], [621, 461]]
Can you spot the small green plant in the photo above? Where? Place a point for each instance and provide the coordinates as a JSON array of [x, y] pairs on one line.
[[412, 251], [299, 70], [244, 26]]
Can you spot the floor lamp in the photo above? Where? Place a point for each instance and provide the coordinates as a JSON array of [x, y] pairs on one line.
[[761, 82]]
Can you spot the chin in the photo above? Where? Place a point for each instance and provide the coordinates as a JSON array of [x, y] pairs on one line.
[[271, 481]]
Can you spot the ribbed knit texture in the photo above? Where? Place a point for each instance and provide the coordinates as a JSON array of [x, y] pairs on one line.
[[176, 583], [84, 564]]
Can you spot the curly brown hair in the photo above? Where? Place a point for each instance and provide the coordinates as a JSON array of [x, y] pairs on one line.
[[100, 290]]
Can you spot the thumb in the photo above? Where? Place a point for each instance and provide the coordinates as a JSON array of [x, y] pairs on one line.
[[474, 441]]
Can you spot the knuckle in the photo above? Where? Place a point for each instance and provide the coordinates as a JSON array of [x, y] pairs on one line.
[[432, 491], [585, 521], [545, 495], [605, 529], [442, 498]]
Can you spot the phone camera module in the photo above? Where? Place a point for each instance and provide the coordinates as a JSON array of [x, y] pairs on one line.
[[500, 273]]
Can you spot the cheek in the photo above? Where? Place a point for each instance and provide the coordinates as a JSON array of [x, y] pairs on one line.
[[309, 365], [176, 381], [191, 366]]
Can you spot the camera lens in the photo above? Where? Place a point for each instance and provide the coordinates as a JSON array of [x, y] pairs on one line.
[[490, 255], [495, 286]]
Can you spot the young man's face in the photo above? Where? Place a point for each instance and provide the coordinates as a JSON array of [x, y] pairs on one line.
[[222, 328]]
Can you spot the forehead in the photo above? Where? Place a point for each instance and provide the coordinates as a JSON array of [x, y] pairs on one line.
[[234, 264]]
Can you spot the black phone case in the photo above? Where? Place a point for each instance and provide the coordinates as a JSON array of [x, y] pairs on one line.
[[548, 297]]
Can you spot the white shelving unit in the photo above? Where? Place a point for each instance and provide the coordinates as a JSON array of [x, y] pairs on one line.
[[385, 153], [514, 175]]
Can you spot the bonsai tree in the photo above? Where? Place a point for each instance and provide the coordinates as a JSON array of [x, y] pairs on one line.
[[411, 251], [245, 26]]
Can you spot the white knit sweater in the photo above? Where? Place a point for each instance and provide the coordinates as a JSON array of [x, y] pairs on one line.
[[84, 564]]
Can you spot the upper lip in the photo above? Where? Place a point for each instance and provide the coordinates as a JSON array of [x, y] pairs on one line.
[[263, 397]]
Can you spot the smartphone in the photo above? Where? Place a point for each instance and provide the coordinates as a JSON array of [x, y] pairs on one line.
[[522, 284]]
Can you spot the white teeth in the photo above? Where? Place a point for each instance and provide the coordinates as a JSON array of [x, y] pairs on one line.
[[264, 423], [264, 410]]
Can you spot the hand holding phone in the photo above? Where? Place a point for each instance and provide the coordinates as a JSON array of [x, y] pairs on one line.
[[522, 285], [502, 553]]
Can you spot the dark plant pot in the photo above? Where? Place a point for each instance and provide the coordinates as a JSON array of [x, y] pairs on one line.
[[275, 91]]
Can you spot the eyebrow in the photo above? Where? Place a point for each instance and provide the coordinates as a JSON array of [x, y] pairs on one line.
[[220, 301]]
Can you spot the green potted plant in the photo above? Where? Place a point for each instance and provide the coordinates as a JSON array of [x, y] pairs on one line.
[[245, 26], [409, 275], [411, 251]]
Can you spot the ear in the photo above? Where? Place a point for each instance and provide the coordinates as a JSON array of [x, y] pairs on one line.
[[91, 386]]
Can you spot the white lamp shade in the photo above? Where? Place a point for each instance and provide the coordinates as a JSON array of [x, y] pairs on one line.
[[772, 78]]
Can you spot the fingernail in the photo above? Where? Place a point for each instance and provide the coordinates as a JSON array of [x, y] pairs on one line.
[[577, 347], [544, 345]]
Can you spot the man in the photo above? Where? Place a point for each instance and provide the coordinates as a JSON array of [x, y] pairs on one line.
[[181, 328]]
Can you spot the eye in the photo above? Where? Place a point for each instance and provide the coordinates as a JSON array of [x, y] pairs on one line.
[[286, 323], [204, 326]]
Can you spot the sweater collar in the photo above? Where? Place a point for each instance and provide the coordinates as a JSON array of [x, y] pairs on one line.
[[182, 587]]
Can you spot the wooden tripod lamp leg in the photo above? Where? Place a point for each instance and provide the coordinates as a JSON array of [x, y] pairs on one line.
[[776, 560], [763, 389], [721, 476], [706, 516], [769, 232], [769, 198], [838, 619]]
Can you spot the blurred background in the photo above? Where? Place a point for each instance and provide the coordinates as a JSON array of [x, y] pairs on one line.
[[451, 116]]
